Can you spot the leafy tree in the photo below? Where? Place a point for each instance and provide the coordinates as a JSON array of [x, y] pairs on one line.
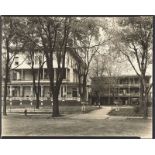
[[11, 46], [133, 39], [33, 51], [53, 33], [88, 40], [105, 70]]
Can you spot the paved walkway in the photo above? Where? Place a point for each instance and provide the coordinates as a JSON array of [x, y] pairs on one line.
[[101, 114], [96, 114]]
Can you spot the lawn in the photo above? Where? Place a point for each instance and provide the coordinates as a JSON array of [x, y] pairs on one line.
[[128, 111], [43, 125]]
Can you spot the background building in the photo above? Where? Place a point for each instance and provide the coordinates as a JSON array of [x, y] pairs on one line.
[[125, 88]]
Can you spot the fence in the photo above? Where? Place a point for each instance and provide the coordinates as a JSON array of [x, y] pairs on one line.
[[32, 100]]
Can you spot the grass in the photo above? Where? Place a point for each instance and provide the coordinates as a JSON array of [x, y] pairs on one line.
[[75, 109], [128, 112], [48, 109], [41, 125]]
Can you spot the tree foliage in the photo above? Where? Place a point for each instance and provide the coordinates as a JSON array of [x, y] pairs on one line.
[[133, 40]]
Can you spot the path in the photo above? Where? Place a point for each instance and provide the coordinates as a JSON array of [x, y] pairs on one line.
[[96, 114]]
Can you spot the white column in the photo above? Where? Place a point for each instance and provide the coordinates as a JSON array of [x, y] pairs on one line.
[[11, 91], [55, 74], [60, 91], [31, 101], [66, 73], [64, 87], [31, 91], [42, 102], [43, 73], [129, 94], [21, 91], [66, 91], [42, 91]]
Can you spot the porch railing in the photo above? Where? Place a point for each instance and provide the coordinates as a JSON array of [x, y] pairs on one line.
[[42, 98]]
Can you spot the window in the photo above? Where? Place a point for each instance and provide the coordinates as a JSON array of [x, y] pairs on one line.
[[64, 73], [136, 81], [62, 91], [74, 93], [45, 74], [65, 88], [14, 76], [16, 60], [16, 63], [61, 71]]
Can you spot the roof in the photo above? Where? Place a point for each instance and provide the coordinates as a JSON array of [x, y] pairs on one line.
[[119, 76]]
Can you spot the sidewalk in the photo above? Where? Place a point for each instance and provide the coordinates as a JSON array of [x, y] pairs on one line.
[[96, 114]]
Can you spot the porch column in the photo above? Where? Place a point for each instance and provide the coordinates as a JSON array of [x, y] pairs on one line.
[[129, 94], [66, 73], [55, 74], [32, 91], [43, 73], [21, 91], [10, 91], [66, 91], [42, 91], [60, 91]]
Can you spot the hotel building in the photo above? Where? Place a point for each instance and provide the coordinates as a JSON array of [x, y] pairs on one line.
[[21, 87]]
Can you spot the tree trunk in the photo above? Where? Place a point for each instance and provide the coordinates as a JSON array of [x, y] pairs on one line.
[[55, 104], [143, 97], [38, 91], [5, 95], [37, 100], [35, 91], [79, 86], [6, 83], [84, 92]]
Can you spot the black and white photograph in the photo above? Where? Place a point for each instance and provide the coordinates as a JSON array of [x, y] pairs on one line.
[[77, 76]]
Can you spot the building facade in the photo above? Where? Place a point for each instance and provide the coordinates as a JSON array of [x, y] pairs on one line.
[[21, 78], [125, 89]]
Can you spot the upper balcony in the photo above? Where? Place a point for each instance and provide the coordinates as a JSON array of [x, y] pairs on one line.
[[25, 76], [29, 82]]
